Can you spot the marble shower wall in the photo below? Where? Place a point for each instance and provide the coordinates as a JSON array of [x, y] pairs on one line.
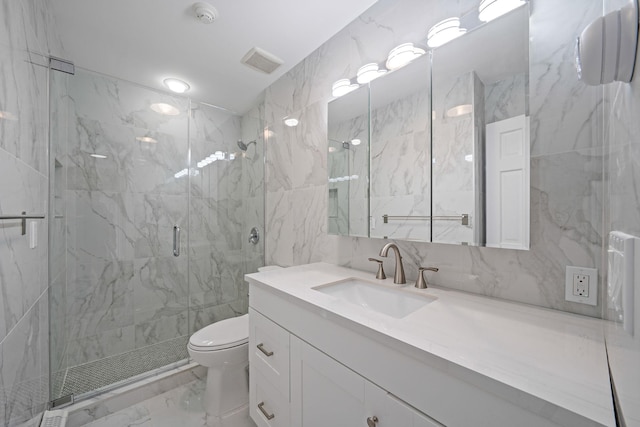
[[123, 288], [27, 37], [566, 167], [218, 214]]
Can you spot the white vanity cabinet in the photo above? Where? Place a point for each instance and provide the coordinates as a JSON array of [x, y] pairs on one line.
[[460, 360], [294, 384], [325, 392]]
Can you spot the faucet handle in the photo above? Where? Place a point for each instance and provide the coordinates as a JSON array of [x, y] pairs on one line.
[[380, 274], [421, 283]]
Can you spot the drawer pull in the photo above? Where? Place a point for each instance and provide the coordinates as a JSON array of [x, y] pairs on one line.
[[372, 421], [266, 353], [265, 413]]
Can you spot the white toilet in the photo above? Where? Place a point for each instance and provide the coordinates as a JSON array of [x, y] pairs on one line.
[[223, 348]]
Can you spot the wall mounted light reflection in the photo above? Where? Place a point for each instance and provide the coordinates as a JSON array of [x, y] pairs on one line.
[[356, 142], [291, 121], [402, 55], [491, 9], [98, 156], [460, 110], [343, 87], [369, 72], [7, 115], [147, 139], [445, 31], [332, 149], [165, 109]]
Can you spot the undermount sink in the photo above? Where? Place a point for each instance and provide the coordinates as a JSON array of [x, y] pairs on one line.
[[396, 303]]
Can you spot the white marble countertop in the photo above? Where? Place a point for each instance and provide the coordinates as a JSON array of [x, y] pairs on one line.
[[555, 356]]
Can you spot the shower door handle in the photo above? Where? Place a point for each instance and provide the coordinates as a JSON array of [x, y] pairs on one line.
[[176, 240]]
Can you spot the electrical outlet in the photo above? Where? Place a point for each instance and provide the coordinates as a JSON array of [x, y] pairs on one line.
[[581, 285]]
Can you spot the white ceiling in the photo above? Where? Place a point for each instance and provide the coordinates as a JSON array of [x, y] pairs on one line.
[[146, 41]]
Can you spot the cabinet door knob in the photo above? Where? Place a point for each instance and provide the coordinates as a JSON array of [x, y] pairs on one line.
[[372, 421], [266, 352], [267, 415]]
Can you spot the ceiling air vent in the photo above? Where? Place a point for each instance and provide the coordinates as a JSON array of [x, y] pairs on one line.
[[261, 60]]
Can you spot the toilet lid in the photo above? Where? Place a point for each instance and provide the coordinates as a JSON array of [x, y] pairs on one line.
[[223, 334]]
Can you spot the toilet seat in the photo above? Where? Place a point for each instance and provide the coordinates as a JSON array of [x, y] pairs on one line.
[[221, 335]]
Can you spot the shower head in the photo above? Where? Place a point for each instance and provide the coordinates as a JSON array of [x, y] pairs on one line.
[[244, 146]]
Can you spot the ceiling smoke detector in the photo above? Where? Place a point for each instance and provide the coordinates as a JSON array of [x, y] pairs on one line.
[[205, 12]]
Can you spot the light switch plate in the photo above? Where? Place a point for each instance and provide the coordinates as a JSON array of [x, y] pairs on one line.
[[581, 285]]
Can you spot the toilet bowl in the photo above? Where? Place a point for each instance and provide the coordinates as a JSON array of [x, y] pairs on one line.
[[223, 348]]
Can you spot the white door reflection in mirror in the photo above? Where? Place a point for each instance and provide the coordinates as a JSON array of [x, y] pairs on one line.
[[507, 172]]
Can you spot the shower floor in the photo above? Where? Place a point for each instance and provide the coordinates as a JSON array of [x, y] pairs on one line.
[[104, 372]]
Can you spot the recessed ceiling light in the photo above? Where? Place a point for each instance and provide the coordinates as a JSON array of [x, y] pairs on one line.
[[147, 139], [469, 157], [176, 85], [491, 9], [291, 122], [460, 110], [165, 109], [369, 72], [343, 87], [445, 31], [98, 156], [402, 55], [355, 141]]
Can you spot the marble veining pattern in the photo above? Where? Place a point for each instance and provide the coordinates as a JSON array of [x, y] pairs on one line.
[[27, 37]]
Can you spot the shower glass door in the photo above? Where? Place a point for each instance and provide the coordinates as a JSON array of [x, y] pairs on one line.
[[120, 177]]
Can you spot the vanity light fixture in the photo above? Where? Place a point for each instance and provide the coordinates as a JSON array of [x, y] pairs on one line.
[[356, 142], [165, 109], [147, 139], [491, 9], [460, 110], [402, 55], [445, 31], [176, 85], [291, 122], [369, 72], [343, 87]]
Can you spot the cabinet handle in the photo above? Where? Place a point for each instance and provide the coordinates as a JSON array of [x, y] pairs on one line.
[[266, 353], [372, 421], [267, 415]]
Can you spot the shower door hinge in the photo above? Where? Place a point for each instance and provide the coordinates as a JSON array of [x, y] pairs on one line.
[[61, 401], [63, 65]]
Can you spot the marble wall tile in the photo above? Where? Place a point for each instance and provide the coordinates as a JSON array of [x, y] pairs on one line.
[[95, 347], [566, 222], [21, 276], [27, 36], [506, 98], [21, 370]]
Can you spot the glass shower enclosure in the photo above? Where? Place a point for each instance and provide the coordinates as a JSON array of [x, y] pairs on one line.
[[151, 203]]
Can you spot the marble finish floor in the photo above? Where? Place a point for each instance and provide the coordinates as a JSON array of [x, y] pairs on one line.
[[110, 370], [181, 407]]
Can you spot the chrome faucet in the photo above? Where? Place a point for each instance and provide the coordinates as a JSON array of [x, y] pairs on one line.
[[398, 277]]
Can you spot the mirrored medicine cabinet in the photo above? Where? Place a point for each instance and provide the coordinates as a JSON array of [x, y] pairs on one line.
[[438, 150]]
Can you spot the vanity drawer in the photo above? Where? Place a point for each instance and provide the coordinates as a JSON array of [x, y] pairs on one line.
[[269, 351], [268, 407]]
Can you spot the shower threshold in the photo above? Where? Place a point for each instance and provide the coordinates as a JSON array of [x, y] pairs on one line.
[[89, 379]]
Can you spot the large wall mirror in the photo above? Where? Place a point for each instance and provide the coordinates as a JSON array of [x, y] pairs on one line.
[[449, 144]]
